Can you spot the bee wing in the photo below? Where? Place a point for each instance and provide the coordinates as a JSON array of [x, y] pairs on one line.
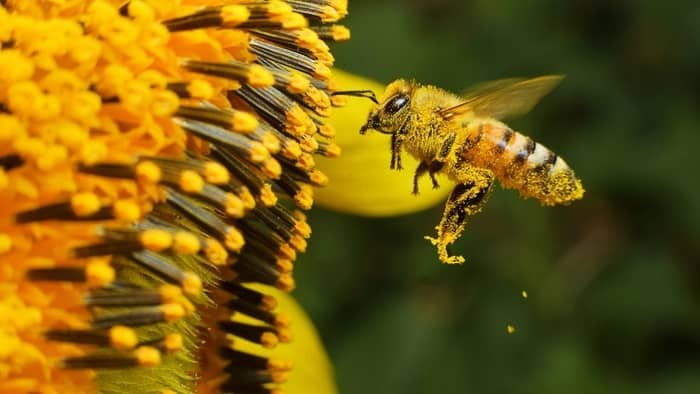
[[504, 97]]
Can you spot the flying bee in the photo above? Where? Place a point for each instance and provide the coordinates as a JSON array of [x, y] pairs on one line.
[[464, 138]]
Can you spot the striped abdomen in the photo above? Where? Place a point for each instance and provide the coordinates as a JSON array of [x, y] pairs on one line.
[[521, 163]]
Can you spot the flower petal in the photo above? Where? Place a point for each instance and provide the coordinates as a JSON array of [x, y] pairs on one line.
[[361, 182]]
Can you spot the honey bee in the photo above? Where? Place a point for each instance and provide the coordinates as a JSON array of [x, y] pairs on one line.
[[464, 138]]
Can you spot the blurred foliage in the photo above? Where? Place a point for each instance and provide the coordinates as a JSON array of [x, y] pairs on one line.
[[613, 281]]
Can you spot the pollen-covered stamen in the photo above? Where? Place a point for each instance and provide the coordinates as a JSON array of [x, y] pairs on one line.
[[166, 344], [277, 109], [252, 74], [243, 307], [133, 297], [328, 149], [301, 193], [69, 211], [251, 177], [117, 337], [305, 41], [251, 361], [332, 33], [289, 58], [95, 274], [253, 297], [223, 16], [257, 232], [263, 335], [242, 380], [231, 237], [239, 121], [249, 268], [254, 151], [144, 356], [141, 316], [164, 267], [320, 10]]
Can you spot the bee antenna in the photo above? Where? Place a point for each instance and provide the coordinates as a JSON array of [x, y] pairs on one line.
[[368, 94]]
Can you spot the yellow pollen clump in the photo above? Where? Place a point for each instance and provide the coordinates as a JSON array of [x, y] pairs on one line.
[[148, 171], [269, 340], [122, 338], [156, 239], [191, 182], [173, 342], [272, 168], [192, 283], [286, 283], [126, 211], [216, 174], [85, 204], [258, 153], [185, 243], [5, 243], [170, 293], [147, 356], [234, 14], [260, 77], [244, 122], [173, 311], [234, 206], [215, 252], [200, 89], [99, 273], [234, 240]]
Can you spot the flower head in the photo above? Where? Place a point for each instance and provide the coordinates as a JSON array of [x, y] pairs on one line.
[[155, 157]]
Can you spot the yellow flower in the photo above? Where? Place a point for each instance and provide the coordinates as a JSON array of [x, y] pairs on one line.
[[155, 157]]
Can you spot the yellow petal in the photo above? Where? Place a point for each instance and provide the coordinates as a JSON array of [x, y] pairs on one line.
[[361, 182]]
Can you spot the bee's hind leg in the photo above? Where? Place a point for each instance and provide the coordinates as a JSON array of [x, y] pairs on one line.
[[465, 200]]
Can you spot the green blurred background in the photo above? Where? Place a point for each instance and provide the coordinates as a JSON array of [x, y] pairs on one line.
[[613, 281]]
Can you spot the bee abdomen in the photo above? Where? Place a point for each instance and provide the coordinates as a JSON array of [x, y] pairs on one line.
[[522, 164]]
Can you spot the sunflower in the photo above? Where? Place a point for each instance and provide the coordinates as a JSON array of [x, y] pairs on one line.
[[156, 158]]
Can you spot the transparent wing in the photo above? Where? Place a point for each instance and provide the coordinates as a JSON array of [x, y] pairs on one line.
[[504, 98]]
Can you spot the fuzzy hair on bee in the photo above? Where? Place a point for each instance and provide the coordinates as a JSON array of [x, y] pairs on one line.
[[464, 138]]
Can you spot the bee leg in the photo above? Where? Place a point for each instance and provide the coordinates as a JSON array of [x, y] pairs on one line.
[[435, 167], [465, 200], [396, 142], [420, 171]]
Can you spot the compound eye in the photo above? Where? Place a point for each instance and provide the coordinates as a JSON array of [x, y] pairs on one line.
[[395, 104]]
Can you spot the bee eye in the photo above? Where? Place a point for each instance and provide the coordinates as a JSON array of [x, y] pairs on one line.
[[395, 104]]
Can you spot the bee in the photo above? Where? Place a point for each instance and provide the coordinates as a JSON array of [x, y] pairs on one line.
[[464, 138]]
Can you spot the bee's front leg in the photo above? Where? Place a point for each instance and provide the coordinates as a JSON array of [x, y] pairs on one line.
[[396, 142], [465, 200]]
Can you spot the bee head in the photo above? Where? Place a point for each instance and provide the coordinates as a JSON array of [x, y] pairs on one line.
[[389, 115]]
